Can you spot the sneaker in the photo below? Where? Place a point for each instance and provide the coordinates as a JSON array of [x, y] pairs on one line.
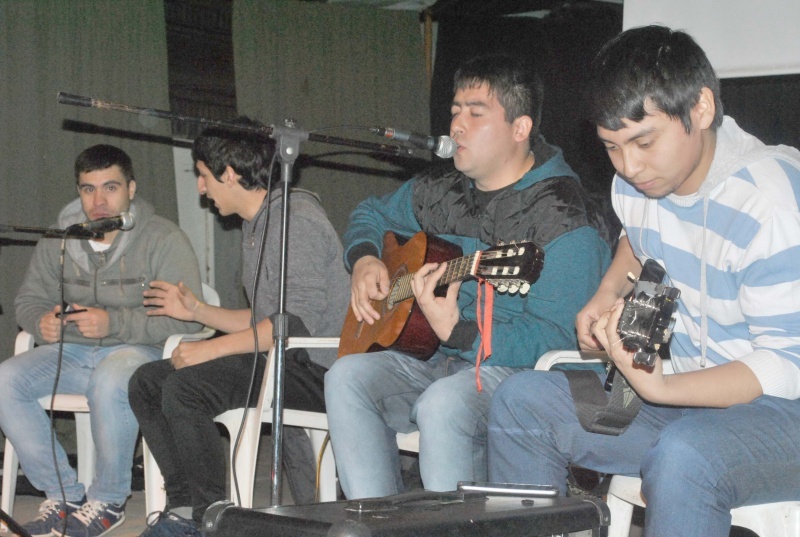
[[169, 525], [51, 515], [93, 519]]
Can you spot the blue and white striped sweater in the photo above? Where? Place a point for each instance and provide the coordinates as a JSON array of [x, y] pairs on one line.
[[745, 224]]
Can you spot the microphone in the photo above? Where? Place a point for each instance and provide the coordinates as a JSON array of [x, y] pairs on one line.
[[103, 225], [444, 146]]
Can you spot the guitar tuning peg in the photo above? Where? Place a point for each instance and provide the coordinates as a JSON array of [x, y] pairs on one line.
[[513, 289], [502, 288], [525, 288]]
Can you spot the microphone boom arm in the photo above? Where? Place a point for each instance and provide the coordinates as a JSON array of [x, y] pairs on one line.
[[79, 100]]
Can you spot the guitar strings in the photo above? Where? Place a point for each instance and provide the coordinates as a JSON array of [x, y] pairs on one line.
[[456, 269]]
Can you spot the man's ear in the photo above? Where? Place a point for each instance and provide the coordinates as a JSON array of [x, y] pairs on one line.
[[522, 128], [131, 189], [704, 110], [230, 177]]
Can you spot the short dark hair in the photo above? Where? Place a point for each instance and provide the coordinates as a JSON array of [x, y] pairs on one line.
[[511, 79], [650, 64], [248, 152], [102, 156]]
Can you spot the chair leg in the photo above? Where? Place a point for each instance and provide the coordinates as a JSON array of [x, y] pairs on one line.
[[621, 514], [327, 470], [155, 496], [10, 470], [245, 463], [87, 456]]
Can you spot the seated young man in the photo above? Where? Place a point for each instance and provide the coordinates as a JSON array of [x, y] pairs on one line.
[[176, 400], [106, 338], [508, 185], [718, 210]]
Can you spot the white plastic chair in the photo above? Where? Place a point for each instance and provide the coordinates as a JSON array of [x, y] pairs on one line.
[[315, 424], [87, 457], [780, 519], [63, 403]]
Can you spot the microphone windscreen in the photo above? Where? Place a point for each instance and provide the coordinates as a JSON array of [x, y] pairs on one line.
[[447, 147]]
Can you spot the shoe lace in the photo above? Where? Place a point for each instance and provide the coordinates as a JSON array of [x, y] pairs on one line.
[[47, 507], [155, 517], [89, 511]]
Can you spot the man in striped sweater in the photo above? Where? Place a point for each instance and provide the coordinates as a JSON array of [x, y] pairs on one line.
[[718, 210]]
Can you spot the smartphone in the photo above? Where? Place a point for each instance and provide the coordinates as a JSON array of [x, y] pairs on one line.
[[513, 489], [68, 310]]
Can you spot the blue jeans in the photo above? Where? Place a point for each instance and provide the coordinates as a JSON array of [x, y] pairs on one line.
[[100, 373], [370, 397], [696, 464]]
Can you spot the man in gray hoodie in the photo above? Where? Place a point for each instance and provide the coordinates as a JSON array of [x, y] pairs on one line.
[[106, 334]]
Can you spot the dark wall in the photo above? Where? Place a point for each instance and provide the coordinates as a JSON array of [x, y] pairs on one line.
[[766, 106], [561, 46]]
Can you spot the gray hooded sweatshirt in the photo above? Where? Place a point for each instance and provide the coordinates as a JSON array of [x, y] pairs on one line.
[[155, 249]]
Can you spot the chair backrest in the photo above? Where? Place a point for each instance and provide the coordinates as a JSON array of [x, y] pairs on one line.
[[23, 343], [267, 393], [551, 358], [210, 295]]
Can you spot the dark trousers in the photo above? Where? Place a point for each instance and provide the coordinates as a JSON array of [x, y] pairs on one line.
[[176, 410]]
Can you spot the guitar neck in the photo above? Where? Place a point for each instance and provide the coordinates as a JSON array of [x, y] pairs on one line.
[[457, 269]]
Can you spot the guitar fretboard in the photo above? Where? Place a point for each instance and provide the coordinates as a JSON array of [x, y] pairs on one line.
[[457, 269]]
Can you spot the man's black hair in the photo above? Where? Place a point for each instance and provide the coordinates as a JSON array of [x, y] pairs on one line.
[[511, 79], [102, 156], [248, 152], [650, 65]]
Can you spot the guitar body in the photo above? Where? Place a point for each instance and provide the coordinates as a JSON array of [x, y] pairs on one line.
[[402, 326]]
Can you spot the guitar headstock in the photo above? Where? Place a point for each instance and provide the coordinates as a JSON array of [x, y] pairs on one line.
[[511, 267], [647, 320]]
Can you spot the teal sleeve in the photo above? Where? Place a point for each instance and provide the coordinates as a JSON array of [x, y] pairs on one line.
[[373, 217], [573, 266]]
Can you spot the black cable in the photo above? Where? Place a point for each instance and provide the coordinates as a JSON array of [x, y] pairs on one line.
[[59, 361]]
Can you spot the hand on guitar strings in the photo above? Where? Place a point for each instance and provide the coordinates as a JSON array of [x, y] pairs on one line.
[[644, 380], [586, 319], [441, 312], [370, 281]]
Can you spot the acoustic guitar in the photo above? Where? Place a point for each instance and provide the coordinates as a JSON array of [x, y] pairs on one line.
[[508, 267]]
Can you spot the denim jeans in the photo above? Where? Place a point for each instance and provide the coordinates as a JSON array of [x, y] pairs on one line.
[[370, 397], [100, 373], [696, 464]]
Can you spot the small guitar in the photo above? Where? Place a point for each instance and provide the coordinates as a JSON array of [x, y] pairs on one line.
[[402, 326]]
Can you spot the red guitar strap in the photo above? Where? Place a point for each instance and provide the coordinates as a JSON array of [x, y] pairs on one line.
[[484, 326]]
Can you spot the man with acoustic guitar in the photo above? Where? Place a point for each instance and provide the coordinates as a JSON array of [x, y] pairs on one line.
[[508, 186], [718, 210]]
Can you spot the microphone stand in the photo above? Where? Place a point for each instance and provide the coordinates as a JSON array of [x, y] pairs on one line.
[[288, 146], [288, 140]]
